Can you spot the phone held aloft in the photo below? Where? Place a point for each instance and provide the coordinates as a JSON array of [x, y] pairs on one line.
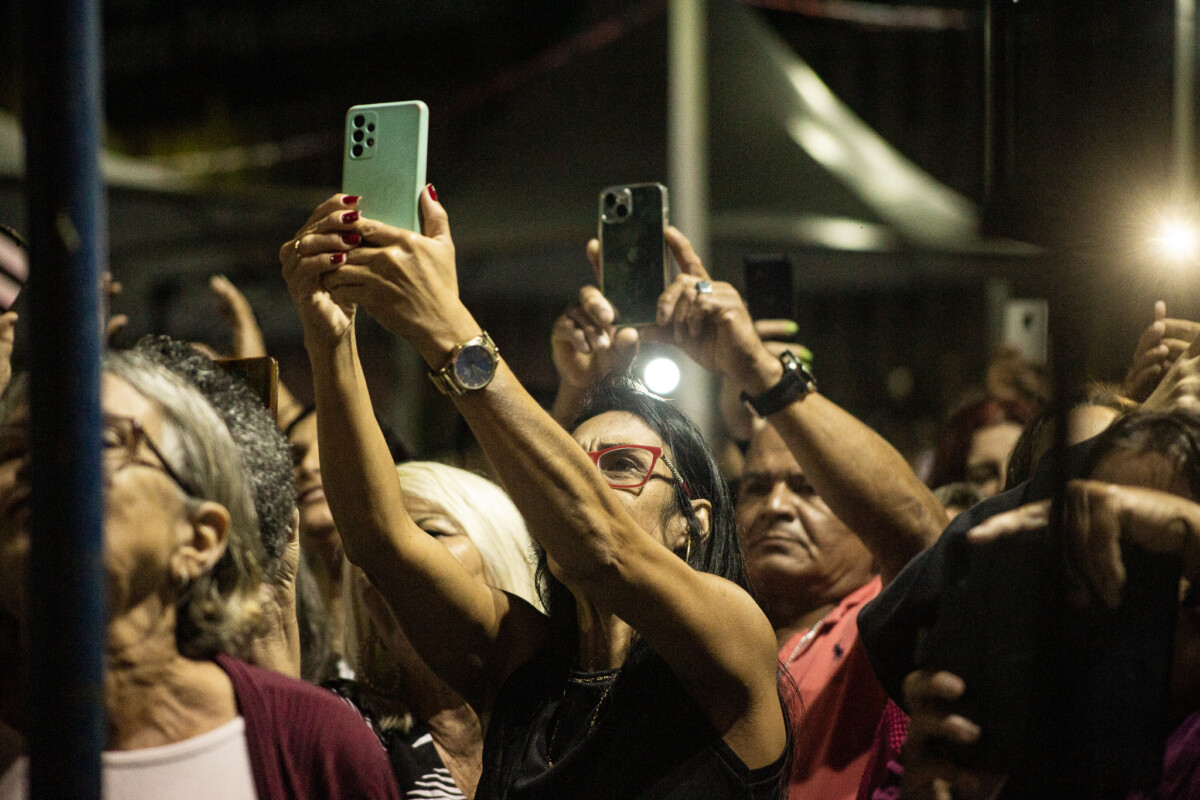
[[384, 160], [634, 268]]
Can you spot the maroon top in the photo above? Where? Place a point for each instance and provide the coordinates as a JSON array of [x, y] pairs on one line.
[[305, 742]]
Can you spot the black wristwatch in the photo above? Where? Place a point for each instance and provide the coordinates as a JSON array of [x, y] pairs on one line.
[[797, 382], [471, 366]]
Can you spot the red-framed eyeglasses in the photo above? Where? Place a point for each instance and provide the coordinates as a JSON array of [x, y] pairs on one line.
[[630, 466]]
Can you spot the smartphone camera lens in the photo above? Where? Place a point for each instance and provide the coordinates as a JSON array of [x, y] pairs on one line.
[[357, 136], [357, 150], [359, 120], [622, 211], [610, 200], [370, 142], [371, 127]]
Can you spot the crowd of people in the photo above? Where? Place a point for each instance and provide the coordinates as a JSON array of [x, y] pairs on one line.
[[297, 608]]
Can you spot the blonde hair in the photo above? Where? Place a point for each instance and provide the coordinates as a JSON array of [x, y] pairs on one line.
[[488, 517]]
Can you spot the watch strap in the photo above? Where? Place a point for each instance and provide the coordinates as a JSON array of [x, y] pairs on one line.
[[797, 382]]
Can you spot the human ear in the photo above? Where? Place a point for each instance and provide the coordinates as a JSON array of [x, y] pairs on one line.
[[703, 510], [204, 541]]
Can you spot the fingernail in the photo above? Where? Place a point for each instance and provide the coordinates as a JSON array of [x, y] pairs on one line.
[[602, 340], [792, 327], [337, 258], [351, 238], [432, 193], [351, 199], [350, 216]]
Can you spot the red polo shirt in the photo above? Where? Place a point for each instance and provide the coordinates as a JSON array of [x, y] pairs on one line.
[[832, 732]]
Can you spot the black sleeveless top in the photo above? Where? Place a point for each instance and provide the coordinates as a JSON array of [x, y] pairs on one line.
[[556, 734]]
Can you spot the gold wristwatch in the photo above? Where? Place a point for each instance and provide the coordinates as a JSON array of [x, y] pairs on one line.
[[471, 366]]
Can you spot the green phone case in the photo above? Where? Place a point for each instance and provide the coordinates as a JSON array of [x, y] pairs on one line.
[[384, 160]]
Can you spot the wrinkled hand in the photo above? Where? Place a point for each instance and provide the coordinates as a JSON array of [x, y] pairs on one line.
[[408, 282], [1099, 517], [1160, 346], [308, 259], [927, 774], [237, 312], [714, 329]]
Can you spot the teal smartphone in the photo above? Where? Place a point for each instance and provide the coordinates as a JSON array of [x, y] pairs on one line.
[[384, 160], [634, 268]]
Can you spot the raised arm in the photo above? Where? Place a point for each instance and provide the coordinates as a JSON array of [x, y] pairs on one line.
[[469, 633], [247, 340], [586, 345], [867, 484], [708, 630]]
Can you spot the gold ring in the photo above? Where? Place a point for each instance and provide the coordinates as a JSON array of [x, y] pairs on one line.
[[296, 247]]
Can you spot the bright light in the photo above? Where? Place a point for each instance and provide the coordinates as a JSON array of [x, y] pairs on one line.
[[1177, 239], [661, 375]]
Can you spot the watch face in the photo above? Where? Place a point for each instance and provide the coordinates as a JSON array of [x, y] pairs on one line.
[[474, 367]]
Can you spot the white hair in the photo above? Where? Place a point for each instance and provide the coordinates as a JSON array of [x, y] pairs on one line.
[[486, 515]]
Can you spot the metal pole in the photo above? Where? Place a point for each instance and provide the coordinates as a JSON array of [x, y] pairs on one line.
[[1185, 99], [62, 116], [687, 165]]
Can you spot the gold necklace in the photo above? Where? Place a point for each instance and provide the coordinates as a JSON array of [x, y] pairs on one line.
[[585, 680]]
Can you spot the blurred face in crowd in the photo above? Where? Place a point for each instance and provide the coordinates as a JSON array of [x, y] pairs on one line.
[[317, 531], [652, 505], [793, 543], [987, 458]]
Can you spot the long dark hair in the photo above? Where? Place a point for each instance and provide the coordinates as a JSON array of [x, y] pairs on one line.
[[718, 552], [1174, 434]]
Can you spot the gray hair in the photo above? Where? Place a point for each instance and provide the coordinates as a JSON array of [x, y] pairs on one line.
[[219, 610]]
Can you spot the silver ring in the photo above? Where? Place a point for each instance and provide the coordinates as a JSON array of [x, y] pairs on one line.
[[703, 287]]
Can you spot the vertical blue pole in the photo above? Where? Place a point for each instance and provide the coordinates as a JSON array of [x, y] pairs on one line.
[[69, 243]]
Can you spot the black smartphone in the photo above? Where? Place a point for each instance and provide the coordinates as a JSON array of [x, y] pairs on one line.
[[262, 376], [634, 268], [768, 283]]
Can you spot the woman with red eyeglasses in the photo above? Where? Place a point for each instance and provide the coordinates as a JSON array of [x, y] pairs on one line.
[[652, 674]]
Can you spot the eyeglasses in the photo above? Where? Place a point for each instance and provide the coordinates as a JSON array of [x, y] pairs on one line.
[[630, 466], [121, 438]]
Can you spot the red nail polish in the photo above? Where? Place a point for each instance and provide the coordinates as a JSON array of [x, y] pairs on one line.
[[350, 216], [433, 193], [351, 238], [351, 199], [337, 258]]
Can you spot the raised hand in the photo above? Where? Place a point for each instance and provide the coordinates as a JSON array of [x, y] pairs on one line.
[[1180, 387], [408, 281], [585, 343], [1099, 518], [1160, 346], [236, 310], [713, 327], [316, 251]]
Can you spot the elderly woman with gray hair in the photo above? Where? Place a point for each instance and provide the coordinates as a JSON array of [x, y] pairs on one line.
[[182, 555]]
